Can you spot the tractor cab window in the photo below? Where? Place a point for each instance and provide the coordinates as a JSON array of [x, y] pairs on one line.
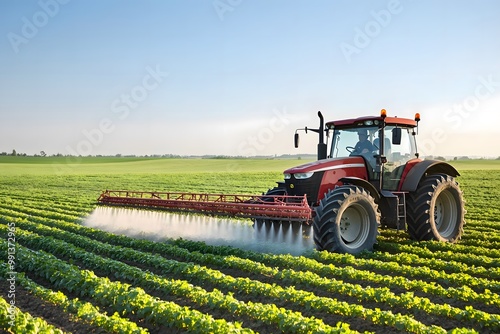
[[397, 154], [354, 142]]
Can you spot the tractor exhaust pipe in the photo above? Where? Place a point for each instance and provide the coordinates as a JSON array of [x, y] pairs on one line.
[[321, 145], [322, 154]]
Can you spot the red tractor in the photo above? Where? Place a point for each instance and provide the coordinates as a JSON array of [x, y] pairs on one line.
[[370, 176]]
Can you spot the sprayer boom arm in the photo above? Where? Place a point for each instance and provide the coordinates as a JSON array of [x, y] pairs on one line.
[[278, 207]]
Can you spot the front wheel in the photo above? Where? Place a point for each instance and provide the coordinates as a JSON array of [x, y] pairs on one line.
[[436, 210], [346, 221]]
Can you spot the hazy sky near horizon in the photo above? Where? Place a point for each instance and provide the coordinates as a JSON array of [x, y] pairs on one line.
[[237, 77]]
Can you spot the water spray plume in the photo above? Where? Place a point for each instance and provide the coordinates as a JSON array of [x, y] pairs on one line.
[[259, 235]]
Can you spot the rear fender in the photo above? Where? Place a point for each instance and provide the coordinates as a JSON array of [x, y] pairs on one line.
[[426, 167], [356, 181]]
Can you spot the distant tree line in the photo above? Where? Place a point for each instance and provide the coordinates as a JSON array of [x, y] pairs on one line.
[[207, 156], [14, 154], [165, 156]]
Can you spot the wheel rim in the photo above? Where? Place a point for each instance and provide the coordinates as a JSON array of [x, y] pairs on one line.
[[445, 214], [354, 226]]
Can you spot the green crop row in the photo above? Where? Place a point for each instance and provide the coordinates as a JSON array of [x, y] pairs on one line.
[[84, 311], [38, 212], [367, 260], [123, 298], [480, 260], [23, 321], [480, 237], [414, 260], [288, 321], [421, 268], [310, 264], [72, 209], [192, 271], [458, 279], [423, 250], [301, 263], [374, 294], [478, 250], [481, 224]]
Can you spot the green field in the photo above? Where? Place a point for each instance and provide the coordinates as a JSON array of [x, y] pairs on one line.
[[91, 165], [119, 165], [97, 282]]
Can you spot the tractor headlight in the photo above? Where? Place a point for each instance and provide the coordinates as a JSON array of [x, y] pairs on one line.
[[301, 176], [287, 176]]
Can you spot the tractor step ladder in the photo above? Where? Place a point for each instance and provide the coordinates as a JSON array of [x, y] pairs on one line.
[[401, 209]]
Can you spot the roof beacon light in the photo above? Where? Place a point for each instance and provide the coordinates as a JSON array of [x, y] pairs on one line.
[[383, 113], [417, 119]]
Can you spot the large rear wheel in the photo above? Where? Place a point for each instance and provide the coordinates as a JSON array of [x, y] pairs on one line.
[[346, 221], [436, 210]]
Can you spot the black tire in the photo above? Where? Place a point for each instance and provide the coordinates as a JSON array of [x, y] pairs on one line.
[[435, 211], [276, 191], [346, 221]]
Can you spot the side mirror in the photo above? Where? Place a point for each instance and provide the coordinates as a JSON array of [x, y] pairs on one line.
[[396, 136], [296, 140]]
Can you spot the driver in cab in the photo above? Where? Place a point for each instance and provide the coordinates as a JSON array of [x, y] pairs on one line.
[[364, 145]]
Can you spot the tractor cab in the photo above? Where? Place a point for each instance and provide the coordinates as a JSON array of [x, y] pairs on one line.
[[372, 151], [385, 143]]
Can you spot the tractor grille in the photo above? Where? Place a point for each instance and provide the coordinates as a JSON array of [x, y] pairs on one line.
[[309, 187]]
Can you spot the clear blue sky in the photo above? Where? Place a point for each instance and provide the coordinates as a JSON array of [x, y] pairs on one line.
[[237, 77]]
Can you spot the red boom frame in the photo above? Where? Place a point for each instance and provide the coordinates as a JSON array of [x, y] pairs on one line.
[[280, 207]]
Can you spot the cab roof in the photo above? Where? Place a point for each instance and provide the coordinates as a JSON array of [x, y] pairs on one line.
[[363, 121]]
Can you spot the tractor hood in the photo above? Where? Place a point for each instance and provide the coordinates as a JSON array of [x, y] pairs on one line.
[[314, 179], [327, 164]]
